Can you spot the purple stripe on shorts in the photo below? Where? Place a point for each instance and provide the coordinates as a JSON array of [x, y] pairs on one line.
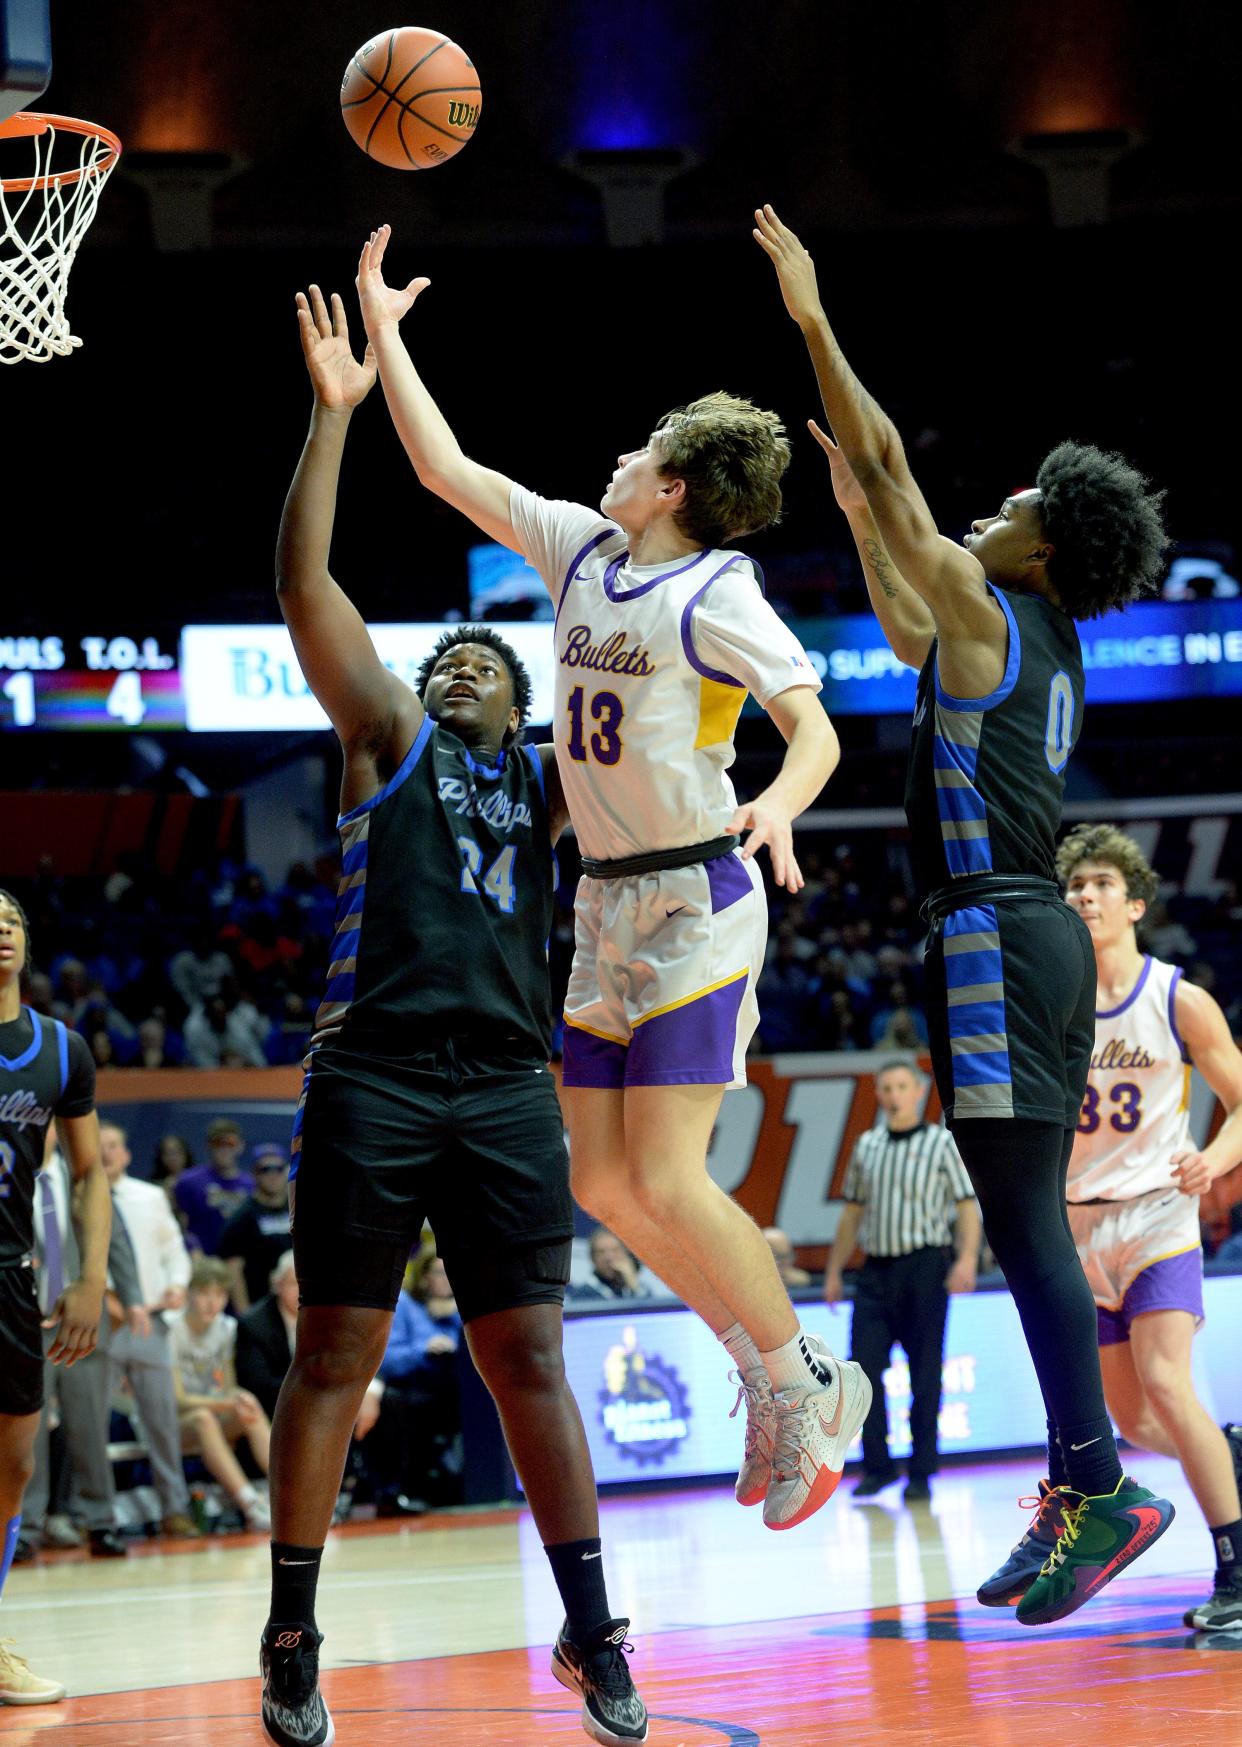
[[689, 1046], [729, 882], [1174, 1283], [592, 1061]]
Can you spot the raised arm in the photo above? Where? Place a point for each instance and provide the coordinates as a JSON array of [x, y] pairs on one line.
[[969, 622], [366, 704], [436, 455], [905, 618]]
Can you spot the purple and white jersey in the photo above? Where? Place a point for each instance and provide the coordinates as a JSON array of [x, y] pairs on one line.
[[653, 664], [1136, 1113]]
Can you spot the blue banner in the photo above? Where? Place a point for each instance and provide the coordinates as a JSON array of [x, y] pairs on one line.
[[1161, 649]]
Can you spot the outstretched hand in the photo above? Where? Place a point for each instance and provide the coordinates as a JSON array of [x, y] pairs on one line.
[[849, 494], [338, 379], [794, 267], [765, 821], [382, 305]]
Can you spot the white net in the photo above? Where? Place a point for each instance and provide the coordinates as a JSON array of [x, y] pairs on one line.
[[46, 207]]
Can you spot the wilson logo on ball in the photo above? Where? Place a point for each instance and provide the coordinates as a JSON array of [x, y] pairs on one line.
[[411, 98]]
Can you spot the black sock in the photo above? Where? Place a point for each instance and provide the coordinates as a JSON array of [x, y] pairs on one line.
[[578, 1568], [1091, 1459], [1057, 1475], [295, 1578], [1227, 1540]]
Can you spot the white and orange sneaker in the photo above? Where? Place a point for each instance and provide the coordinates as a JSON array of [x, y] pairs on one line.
[[814, 1430], [756, 1470], [18, 1686]]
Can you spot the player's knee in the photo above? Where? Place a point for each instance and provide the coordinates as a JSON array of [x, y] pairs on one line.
[[656, 1194], [594, 1188], [1168, 1390], [338, 1366], [522, 1360], [23, 1469]]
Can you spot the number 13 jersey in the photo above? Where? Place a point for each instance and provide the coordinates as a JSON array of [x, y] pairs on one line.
[[653, 664], [1136, 1114]]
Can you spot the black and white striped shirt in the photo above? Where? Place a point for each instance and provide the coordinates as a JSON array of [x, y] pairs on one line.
[[908, 1184]]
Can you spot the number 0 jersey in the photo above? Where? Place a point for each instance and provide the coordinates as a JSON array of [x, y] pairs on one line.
[[987, 775], [653, 664], [444, 908], [1136, 1113]]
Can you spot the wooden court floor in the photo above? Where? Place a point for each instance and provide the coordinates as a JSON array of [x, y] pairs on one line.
[[859, 1628]]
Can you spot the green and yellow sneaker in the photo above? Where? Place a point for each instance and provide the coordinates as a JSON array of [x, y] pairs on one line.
[[1100, 1535]]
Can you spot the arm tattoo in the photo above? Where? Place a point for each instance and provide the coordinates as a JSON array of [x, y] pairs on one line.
[[881, 563]]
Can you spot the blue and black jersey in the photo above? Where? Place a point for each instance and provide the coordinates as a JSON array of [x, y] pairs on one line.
[[444, 908], [45, 1071], [986, 778]]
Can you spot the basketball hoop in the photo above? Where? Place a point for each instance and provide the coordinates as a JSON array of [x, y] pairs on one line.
[[43, 218]]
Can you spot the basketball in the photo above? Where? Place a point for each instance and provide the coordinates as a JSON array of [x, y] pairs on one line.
[[411, 98]]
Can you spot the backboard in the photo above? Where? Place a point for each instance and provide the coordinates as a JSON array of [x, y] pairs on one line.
[[25, 54]]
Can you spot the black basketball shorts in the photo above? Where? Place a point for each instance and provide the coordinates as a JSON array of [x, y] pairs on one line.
[[21, 1342], [476, 1149], [1011, 1010]]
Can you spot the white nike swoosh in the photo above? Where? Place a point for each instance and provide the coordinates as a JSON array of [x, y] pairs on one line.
[[295, 1561], [1085, 1446], [592, 1556]]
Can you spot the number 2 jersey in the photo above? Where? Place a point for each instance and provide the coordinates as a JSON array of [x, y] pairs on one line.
[[45, 1071], [1136, 1113], [653, 664]]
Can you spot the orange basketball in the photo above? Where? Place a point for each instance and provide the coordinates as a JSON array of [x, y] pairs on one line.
[[411, 98]]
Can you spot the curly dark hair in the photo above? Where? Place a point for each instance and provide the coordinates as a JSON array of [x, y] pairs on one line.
[[1104, 521], [519, 678], [732, 456]]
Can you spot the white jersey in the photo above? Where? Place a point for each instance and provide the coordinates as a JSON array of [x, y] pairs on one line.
[[653, 664], [1136, 1113]]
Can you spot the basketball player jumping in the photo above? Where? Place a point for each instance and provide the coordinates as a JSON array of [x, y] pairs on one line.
[[427, 1090], [661, 629], [1010, 971], [1135, 1179], [45, 1072]]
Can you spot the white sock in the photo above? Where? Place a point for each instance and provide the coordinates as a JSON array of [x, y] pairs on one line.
[[247, 1497], [742, 1349], [797, 1365]]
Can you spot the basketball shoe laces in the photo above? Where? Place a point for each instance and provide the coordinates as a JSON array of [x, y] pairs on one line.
[[608, 1669], [1048, 1507], [791, 1416], [759, 1403], [1071, 1518]]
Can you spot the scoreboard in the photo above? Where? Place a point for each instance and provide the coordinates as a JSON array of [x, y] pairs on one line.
[[246, 678]]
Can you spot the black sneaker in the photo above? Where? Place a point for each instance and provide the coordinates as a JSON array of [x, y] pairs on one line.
[[1233, 1434], [294, 1714], [870, 1484], [612, 1712], [1223, 1612]]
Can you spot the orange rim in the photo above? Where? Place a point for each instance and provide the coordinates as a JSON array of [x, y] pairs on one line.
[[27, 124]]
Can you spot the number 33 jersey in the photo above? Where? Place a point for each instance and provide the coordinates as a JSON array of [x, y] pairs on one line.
[[653, 664], [1135, 1115]]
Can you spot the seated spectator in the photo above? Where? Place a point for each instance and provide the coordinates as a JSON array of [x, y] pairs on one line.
[[898, 1016], [207, 1196], [289, 1038], [155, 1047], [783, 1254], [265, 1336], [257, 1235], [197, 971], [227, 1029], [411, 1455], [785, 989], [615, 1272], [213, 1412]]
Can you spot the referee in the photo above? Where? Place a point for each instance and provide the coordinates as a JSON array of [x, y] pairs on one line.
[[908, 1190]]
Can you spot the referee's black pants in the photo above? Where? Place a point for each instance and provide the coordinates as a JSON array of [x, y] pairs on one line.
[[903, 1299]]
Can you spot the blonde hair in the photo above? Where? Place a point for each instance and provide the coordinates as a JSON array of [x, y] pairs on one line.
[[1106, 843], [209, 1271], [732, 456]]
